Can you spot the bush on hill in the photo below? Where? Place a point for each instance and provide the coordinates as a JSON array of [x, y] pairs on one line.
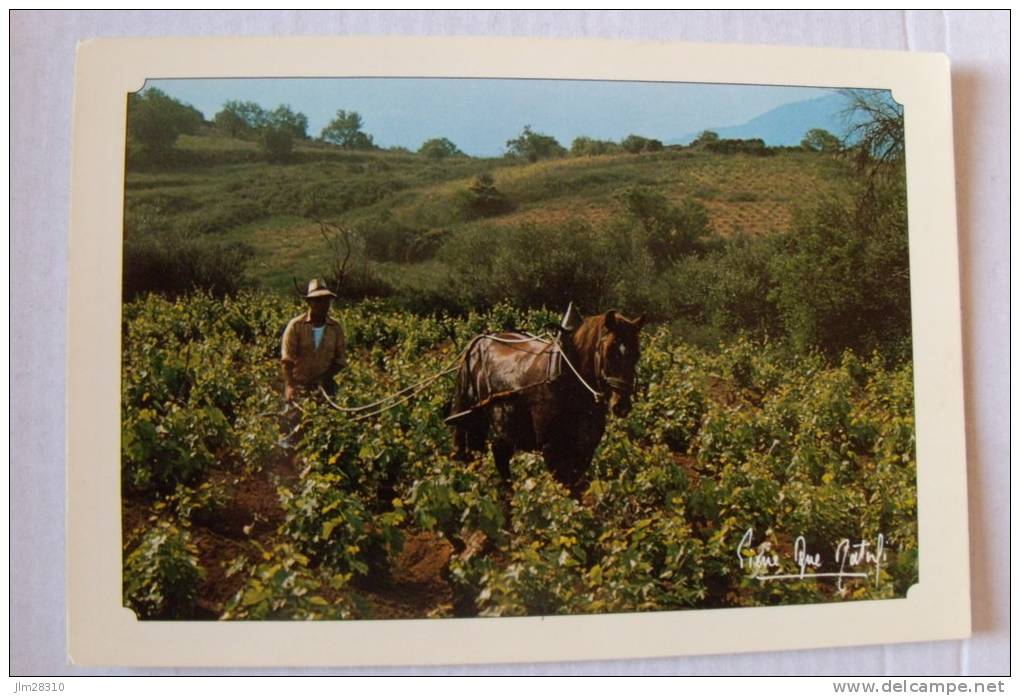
[[636, 143], [670, 232], [589, 147], [482, 199], [842, 274], [388, 239], [175, 265], [345, 130], [533, 146], [751, 146], [439, 148]]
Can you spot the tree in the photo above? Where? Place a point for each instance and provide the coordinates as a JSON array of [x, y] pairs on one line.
[[238, 119], [633, 144], [296, 123], [345, 130], [874, 126], [229, 123], [842, 273], [671, 232], [155, 120], [280, 128], [534, 146], [820, 140], [636, 143], [438, 148], [706, 137], [583, 146], [277, 142]]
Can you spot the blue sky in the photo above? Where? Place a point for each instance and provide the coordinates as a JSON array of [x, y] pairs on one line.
[[481, 115]]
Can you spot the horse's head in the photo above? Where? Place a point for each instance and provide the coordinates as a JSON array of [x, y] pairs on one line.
[[616, 357]]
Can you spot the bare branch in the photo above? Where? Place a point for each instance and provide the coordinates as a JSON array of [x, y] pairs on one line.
[[338, 240], [874, 128]]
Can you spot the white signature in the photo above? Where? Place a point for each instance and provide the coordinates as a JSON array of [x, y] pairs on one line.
[[862, 559]]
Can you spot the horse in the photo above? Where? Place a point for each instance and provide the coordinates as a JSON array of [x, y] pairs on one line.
[[548, 396]]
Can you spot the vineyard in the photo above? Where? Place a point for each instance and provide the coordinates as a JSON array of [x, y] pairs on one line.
[[734, 465]]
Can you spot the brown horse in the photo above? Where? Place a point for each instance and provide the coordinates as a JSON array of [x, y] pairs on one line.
[[531, 398]]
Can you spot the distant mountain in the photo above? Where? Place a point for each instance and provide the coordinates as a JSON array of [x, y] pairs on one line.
[[786, 124]]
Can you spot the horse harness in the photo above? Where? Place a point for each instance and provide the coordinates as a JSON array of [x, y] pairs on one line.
[[611, 383], [616, 384], [553, 372]]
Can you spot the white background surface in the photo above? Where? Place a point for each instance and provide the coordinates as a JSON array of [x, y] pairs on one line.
[[41, 88]]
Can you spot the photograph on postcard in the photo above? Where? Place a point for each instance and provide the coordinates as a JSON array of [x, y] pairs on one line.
[[427, 348]]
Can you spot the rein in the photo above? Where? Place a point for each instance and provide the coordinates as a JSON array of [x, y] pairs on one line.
[[384, 404]]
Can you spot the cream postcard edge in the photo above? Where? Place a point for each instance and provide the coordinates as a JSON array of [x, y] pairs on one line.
[[102, 632]]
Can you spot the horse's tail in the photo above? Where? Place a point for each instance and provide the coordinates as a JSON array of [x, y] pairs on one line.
[[470, 423], [464, 395]]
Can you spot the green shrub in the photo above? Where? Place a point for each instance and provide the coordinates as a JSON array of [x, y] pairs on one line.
[[277, 142], [173, 265], [533, 146], [729, 288], [854, 259], [671, 232], [345, 131], [337, 528], [482, 199], [388, 239], [733, 146], [160, 450], [162, 575], [820, 140], [531, 266], [439, 148], [636, 143], [590, 147], [286, 588]]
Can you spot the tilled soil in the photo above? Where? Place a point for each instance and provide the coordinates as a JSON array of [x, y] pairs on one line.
[[414, 587]]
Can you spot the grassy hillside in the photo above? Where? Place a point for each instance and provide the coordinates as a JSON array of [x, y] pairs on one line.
[[714, 243], [222, 188]]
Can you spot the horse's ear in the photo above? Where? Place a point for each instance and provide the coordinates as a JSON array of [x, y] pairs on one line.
[[611, 320]]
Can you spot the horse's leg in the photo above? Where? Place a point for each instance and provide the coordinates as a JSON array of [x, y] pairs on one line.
[[580, 476], [563, 466], [477, 431], [460, 447], [469, 436], [559, 463], [570, 464], [502, 451]]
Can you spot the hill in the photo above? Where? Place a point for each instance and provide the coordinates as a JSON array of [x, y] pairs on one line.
[[221, 189]]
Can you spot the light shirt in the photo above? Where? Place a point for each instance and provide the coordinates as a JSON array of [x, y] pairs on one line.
[[317, 332]]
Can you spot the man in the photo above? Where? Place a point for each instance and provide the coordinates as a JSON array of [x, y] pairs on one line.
[[314, 347]]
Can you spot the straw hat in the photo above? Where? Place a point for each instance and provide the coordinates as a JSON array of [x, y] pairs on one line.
[[318, 288]]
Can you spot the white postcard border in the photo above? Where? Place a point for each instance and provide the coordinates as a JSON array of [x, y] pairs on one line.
[[102, 632]]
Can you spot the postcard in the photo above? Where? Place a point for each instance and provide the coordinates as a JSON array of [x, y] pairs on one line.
[[421, 351]]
